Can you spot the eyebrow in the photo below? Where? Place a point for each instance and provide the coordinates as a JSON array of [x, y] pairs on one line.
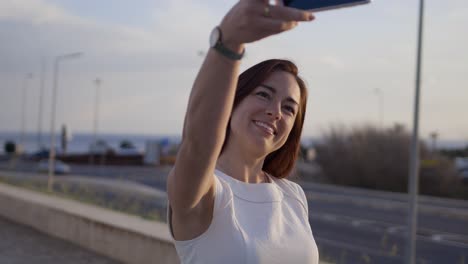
[[273, 90]]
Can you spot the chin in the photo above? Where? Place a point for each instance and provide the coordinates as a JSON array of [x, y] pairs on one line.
[[260, 146]]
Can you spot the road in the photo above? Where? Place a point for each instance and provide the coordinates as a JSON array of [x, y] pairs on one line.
[[353, 225], [361, 233], [362, 225]]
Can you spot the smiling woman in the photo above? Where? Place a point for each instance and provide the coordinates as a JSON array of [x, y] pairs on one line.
[[227, 190], [269, 81]]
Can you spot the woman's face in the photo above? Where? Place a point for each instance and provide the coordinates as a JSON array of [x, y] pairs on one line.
[[263, 120]]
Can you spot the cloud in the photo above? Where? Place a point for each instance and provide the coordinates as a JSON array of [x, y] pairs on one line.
[[147, 70], [37, 28], [333, 62], [35, 11], [459, 14]]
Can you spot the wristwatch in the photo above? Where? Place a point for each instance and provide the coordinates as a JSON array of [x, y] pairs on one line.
[[216, 42]]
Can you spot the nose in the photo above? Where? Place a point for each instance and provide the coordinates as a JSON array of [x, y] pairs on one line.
[[274, 110]]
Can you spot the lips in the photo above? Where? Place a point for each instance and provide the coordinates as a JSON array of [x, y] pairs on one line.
[[267, 127]]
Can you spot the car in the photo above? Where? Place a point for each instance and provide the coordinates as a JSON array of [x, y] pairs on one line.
[[464, 176], [126, 148], [60, 167], [461, 163], [40, 154]]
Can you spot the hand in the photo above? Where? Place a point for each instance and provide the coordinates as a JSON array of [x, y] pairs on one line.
[[252, 20]]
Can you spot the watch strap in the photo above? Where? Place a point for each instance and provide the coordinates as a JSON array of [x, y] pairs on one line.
[[221, 48], [227, 52]]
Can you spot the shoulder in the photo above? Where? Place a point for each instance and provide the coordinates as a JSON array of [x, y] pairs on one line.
[[289, 186], [223, 191], [292, 190]]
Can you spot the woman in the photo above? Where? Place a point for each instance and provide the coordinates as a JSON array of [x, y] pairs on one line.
[[228, 200]]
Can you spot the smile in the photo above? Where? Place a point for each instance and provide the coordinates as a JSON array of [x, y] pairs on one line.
[[269, 129]]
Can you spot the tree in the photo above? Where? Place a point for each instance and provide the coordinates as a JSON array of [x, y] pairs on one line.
[[9, 147]]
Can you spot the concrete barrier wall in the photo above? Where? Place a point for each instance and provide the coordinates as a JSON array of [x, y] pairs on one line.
[[118, 236]]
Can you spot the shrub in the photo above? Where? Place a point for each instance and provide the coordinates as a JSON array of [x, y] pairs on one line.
[[369, 157]]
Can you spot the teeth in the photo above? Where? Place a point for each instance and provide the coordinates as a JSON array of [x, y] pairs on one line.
[[265, 126]]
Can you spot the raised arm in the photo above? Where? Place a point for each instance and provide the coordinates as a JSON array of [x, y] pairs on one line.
[[191, 182]]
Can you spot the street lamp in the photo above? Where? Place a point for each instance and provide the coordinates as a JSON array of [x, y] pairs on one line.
[[413, 180], [24, 108], [57, 61], [41, 99], [97, 82], [380, 94]]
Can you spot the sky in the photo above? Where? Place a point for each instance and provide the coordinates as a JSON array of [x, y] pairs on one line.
[[355, 61]]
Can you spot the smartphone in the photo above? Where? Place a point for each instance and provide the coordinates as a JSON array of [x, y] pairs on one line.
[[321, 5]]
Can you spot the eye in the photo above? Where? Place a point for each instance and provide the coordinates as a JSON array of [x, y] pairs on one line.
[[263, 94], [290, 109]]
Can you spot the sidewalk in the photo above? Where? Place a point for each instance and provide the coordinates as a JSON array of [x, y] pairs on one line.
[[23, 245]]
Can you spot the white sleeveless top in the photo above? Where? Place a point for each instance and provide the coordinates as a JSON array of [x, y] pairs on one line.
[[253, 223]]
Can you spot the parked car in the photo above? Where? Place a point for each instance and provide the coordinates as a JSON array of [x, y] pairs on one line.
[[464, 176], [461, 163], [40, 154], [60, 166], [126, 148]]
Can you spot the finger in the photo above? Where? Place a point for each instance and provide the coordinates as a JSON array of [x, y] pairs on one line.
[[288, 13], [276, 2], [273, 26], [272, 2]]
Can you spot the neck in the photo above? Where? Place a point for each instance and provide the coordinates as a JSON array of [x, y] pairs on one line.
[[242, 167]]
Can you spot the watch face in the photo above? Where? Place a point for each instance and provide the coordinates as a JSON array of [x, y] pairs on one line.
[[214, 37]]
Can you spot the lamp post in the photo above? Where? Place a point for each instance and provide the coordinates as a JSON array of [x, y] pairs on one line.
[[97, 82], [413, 180], [380, 94], [41, 99], [57, 61], [24, 108]]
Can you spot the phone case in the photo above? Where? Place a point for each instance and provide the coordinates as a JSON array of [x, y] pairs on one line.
[[322, 5]]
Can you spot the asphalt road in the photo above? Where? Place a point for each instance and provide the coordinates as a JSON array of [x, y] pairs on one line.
[[353, 225], [357, 234]]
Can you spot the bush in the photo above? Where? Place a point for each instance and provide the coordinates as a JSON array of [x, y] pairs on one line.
[[378, 159]]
